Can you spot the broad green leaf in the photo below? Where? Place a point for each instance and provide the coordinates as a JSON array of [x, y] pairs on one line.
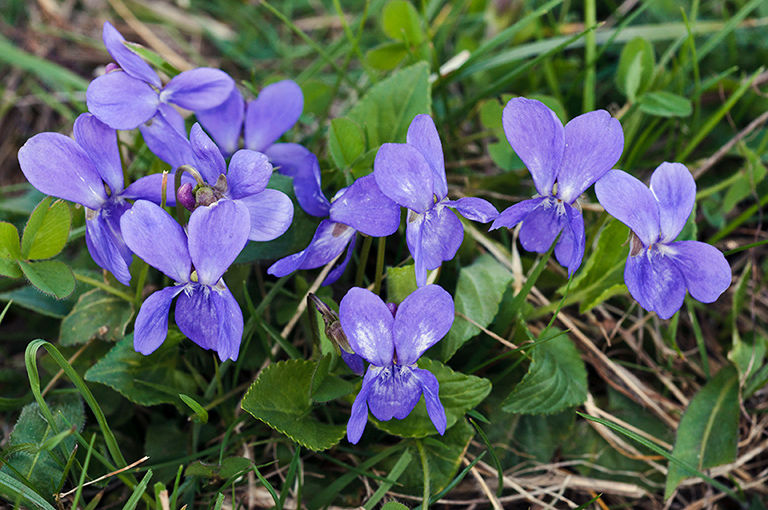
[[401, 282], [443, 454], [317, 96], [400, 21], [10, 268], [295, 239], [47, 230], [635, 69], [752, 175], [280, 398], [665, 104], [709, 430], [40, 463], [387, 109], [478, 294], [228, 468], [556, 380], [458, 393], [32, 299], [52, 277], [326, 387], [97, 314], [602, 275], [345, 141], [386, 56], [145, 380]]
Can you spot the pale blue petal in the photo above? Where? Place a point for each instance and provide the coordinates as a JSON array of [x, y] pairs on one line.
[[164, 139], [295, 161], [403, 175], [329, 242], [130, 62], [422, 134], [275, 111], [337, 271], [353, 361], [475, 209], [675, 191], [105, 241], [121, 101], [655, 281], [100, 143], [365, 208], [631, 202], [210, 162], [394, 393], [151, 326], [431, 389], [541, 226], [217, 235], [513, 215], [706, 272], [271, 213], [225, 122], [359, 415], [198, 89], [367, 322], [439, 234], [230, 319], [196, 315], [248, 174], [570, 248], [422, 319]]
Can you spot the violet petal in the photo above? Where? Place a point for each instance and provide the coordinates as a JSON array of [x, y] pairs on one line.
[[329, 242], [353, 361], [295, 161], [248, 174], [196, 315], [570, 248], [198, 89], [514, 214], [151, 326], [105, 241], [706, 272], [537, 137], [56, 165], [100, 143], [631, 202], [217, 235], [394, 393], [475, 209], [225, 122], [358, 418], [431, 389], [542, 225], [128, 61], [364, 207], [121, 101], [403, 175], [594, 142], [422, 319], [166, 141], [210, 162], [337, 271], [674, 189], [655, 282], [230, 324], [272, 113], [422, 134], [367, 322], [271, 213]]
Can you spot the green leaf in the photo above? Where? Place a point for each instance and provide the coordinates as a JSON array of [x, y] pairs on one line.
[[97, 314], [146, 380], [13, 489], [478, 294], [152, 57], [387, 109], [228, 468], [40, 461], [748, 354], [318, 96], [345, 141], [401, 282], [52, 277], [458, 393], [665, 104], [32, 299], [295, 239], [556, 379], [394, 505], [386, 56], [635, 69], [201, 415], [709, 430], [10, 251], [47, 230], [280, 398], [401, 22]]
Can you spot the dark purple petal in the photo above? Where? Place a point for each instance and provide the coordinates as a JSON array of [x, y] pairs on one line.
[[422, 319], [594, 142], [230, 324], [367, 322], [655, 281], [271, 213], [210, 162], [105, 240], [225, 122], [337, 271], [542, 225], [422, 134], [248, 174], [706, 272], [121, 101], [100, 143], [631, 202], [433, 238], [56, 165], [570, 248], [364, 207], [359, 415], [328, 243], [431, 389], [394, 393], [130, 62], [166, 141], [295, 161], [353, 361], [151, 326], [404, 175], [217, 234], [475, 209], [537, 136], [155, 237], [272, 113], [513, 215], [198, 89], [675, 191]]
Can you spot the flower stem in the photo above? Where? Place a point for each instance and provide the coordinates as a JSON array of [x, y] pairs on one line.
[[379, 265], [425, 472], [363, 261], [590, 47], [103, 286], [140, 284]]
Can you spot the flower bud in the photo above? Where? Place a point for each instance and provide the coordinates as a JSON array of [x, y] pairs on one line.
[[185, 197], [392, 308], [205, 195]]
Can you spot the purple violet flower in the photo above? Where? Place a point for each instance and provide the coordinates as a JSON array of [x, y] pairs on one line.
[[360, 207], [564, 162], [262, 122], [128, 98], [87, 171], [392, 342], [206, 311], [413, 175], [658, 269]]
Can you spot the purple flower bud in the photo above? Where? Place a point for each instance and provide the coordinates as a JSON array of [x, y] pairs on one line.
[[185, 197], [111, 67]]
